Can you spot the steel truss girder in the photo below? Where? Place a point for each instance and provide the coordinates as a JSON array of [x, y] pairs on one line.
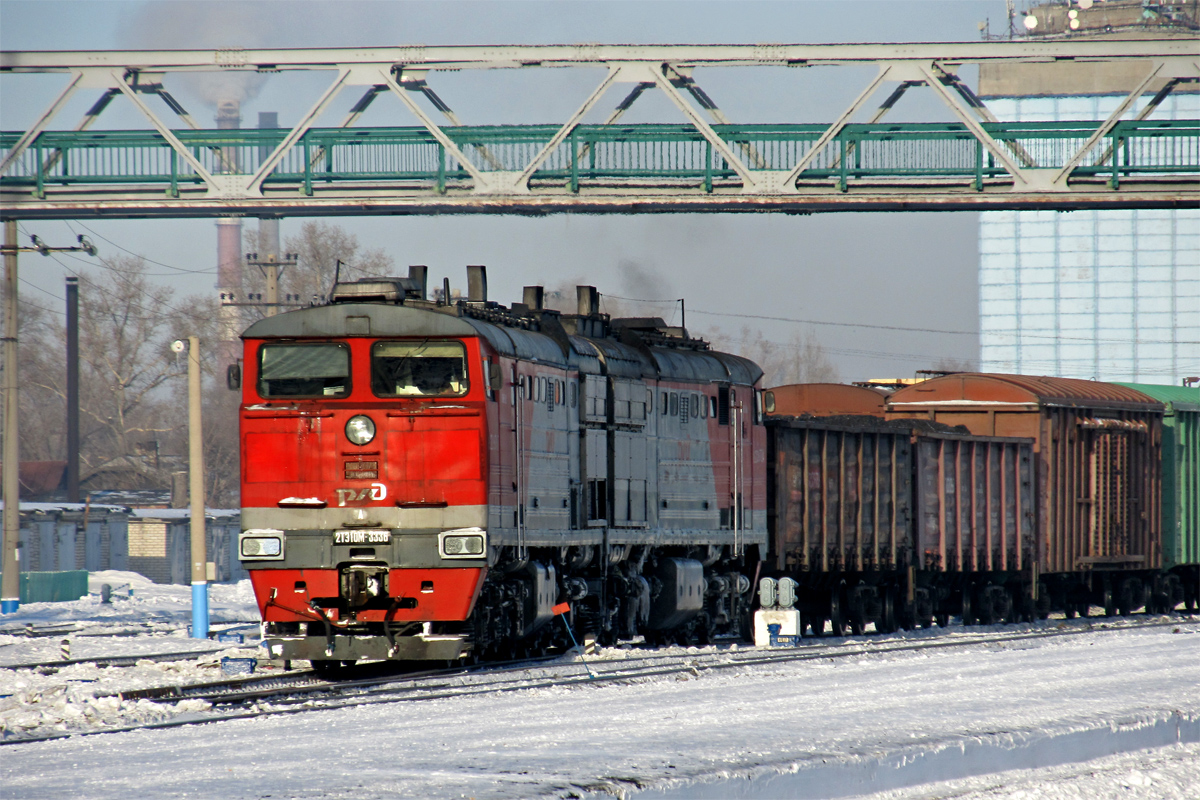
[[1181, 50], [1149, 193], [669, 68]]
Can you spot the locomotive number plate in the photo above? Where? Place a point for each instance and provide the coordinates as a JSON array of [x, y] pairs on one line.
[[362, 537]]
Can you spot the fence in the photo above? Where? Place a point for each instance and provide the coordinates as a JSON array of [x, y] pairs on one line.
[[153, 542]]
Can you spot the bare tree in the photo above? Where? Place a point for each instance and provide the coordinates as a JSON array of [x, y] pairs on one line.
[[320, 246], [801, 360], [41, 380]]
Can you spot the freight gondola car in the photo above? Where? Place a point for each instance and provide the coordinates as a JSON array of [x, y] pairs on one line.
[[897, 523], [429, 479]]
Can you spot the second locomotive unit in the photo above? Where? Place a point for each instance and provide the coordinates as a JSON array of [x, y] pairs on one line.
[[428, 479]]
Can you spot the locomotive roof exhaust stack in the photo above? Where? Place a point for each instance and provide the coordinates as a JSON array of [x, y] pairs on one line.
[[476, 283], [534, 297], [418, 278], [588, 301]]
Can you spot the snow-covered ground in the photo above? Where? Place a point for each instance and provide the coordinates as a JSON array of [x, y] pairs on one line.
[[1090, 716]]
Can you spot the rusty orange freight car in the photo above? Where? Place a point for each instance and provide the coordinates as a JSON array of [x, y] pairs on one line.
[[1098, 471]]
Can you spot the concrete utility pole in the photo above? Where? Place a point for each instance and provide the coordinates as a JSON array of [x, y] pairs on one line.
[[10, 582], [72, 389], [196, 489], [272, 266], [10, 588]]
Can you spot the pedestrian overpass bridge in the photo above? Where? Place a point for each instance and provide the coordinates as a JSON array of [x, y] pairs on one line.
[[703, 163]]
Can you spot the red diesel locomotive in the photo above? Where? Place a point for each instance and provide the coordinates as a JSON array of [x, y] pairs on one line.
[[427, 480]]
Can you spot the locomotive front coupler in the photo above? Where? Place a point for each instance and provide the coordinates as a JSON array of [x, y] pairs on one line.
[[317, 614]]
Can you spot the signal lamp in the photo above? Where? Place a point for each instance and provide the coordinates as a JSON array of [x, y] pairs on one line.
[[463, 543], [265, 544]]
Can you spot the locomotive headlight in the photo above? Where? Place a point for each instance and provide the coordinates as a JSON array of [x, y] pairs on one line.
[[463, 543], [261, 544], [360, 429]]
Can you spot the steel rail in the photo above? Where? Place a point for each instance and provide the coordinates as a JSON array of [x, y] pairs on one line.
[[609, 671], [115, 661]]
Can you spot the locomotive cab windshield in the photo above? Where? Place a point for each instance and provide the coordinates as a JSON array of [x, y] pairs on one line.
[[304, 370], [418, 369]]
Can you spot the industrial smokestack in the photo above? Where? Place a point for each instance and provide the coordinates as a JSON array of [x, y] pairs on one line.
[[229, 248], [229, 115], [268, 229]]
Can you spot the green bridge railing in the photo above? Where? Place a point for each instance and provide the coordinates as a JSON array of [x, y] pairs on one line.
[[597, 155]]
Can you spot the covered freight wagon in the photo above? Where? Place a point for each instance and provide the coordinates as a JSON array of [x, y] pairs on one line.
[[1180, 491], [1098, 473]]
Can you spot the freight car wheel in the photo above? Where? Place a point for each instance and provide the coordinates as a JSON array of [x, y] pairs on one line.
[[968, 607], [887, 622], [943, 619], [837, 621], [1110, 602]]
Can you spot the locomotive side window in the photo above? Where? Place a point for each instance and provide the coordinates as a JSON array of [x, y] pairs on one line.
[[303, 370], [418, 369]]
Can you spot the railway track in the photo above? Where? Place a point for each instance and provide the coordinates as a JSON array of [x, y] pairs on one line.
[[303, 691], [129, 660], [114, 661]]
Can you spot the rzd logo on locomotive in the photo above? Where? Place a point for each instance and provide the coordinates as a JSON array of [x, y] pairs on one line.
[[376, 491]]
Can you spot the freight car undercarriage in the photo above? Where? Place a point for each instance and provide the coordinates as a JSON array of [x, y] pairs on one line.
[[841, 603]]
